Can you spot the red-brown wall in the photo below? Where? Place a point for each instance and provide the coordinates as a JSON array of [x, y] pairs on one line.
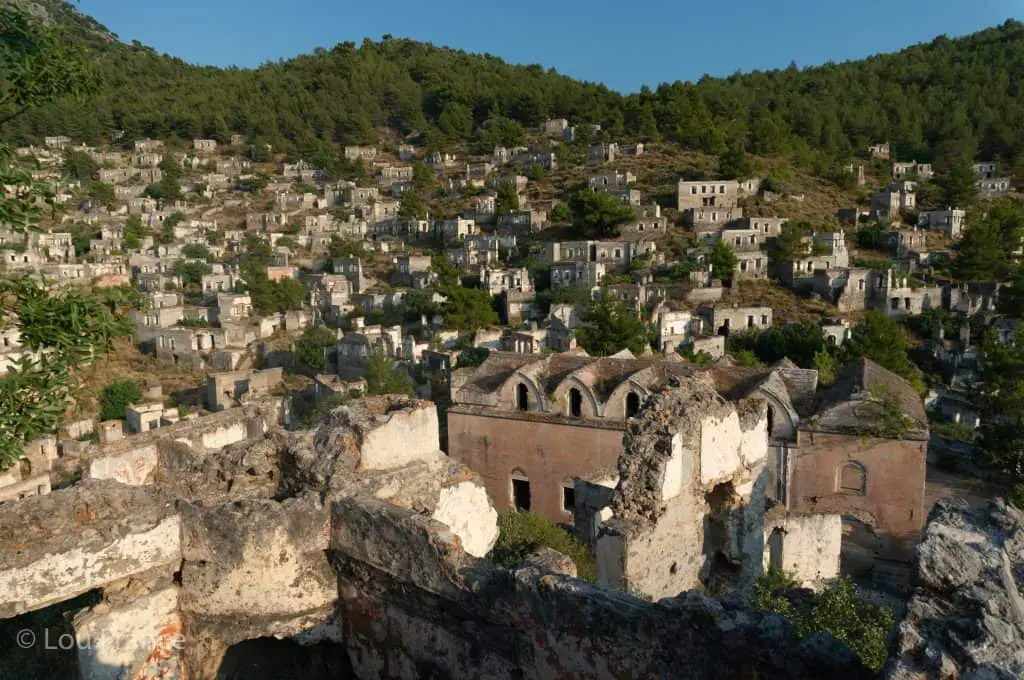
[[547, 452], [893, 503]]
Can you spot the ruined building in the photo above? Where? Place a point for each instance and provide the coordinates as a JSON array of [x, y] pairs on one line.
[[355, 549], [550, 434]]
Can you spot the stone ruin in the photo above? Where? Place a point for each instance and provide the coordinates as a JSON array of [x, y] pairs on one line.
[[361, 543], [361, 547]]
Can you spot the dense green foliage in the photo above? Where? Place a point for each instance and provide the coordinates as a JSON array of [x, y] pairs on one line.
[[116, 397], [1000, 392], [609, 327], [799, 342], [883, 340], [985, 253], [944, 101], [309, 348], [522, 533], [860, 625], [722, 260], [598, 215], [383, 376]]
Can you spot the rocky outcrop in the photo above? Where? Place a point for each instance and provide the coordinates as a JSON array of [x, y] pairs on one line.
[[966, 617]]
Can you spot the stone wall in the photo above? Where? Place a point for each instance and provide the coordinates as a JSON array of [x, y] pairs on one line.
[[689, 506], [330, 537], [807, 547], [500, 445], [888, 504]]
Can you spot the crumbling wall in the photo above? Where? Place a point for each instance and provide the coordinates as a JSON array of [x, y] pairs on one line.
[[323, 538], [413, 605], [807, 547], [690, 497], [966, 617], [74, 540]]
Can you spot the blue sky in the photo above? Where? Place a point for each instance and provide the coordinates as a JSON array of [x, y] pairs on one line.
[[623, 44]]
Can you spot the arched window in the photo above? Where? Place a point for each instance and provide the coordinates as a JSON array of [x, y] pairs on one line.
[[632, 404], [771, 420], [852, 479], [575, 403], [522, 397]]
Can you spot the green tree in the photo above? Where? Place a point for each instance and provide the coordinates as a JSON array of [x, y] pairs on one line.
[[535, 172], [598, 215], [79, 165], [883, 340], [722, 260], [383, 376], [134, 232], [310, 347], [521, 534], [62, 329], [507, 199], [116, 397], [734, 163], [101, 193], [827, 366], [346, 247], [413, 207], [191, 273], [560, 214], [468, 309], [800, 342], [1000, 392], [957, 185], [792, 243], [607, 327], [197, 251]]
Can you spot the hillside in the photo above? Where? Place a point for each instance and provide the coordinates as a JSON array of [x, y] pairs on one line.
[[946, 99]]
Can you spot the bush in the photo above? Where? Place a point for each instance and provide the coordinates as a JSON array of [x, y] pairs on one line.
[[116, 397], [860, 625], [522, 533]]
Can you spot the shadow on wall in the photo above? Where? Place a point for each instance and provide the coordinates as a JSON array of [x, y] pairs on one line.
[[273, 659], [40, 645]]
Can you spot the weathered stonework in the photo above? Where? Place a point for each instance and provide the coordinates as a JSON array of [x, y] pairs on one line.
[[690, 498], [326, 538], [966, 617]]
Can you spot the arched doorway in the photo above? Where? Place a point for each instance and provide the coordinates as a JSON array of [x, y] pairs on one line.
[[632, 404], [522, 397], [575, 403]]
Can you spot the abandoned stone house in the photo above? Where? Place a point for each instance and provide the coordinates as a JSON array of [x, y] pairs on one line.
[[148, 145], [533, 428], [454, 229], [889, 203], [893, 292], [723, 320], [236, 388], [360, 153], [832, 254], [998, 186], [610, 180], [502, 280], [881, 151], [412, 271], [912, 170], [707, 194], [846, 460], [951, 221], [522, 222]]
